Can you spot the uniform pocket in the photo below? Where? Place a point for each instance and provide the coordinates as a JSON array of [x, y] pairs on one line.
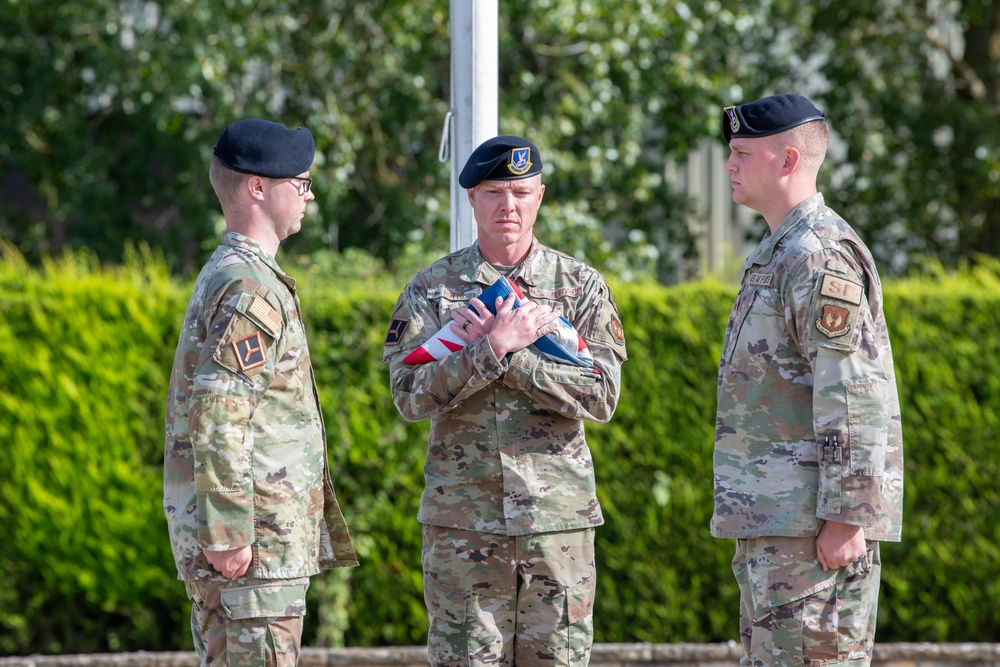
[[757, 340], [868, 428], [819, 617], [448, 631], [265, 600], [580, 601], [265, 626], [580, 620]]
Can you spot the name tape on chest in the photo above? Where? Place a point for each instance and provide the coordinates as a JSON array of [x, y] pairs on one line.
[[760, 279]]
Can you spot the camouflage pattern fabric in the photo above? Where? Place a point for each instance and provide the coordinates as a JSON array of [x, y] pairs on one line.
[[247, 622], [793, 614], [245, 455], [808, 426], [502, 600], [507, 450]]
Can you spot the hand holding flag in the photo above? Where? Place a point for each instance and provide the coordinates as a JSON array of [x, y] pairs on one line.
[[564, 345]]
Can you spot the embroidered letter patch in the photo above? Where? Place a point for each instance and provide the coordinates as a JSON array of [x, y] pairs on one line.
[[249, 351], [840, 288]]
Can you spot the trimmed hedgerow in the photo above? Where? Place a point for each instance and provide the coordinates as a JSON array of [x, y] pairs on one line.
[[85, 355]]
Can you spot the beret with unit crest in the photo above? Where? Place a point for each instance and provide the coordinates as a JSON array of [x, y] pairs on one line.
[[767, 116], [503, 158]]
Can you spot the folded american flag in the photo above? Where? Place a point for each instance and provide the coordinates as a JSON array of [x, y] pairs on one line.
[[564, 345]]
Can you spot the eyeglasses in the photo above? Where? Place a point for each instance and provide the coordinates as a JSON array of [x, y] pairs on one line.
[[305, 185]]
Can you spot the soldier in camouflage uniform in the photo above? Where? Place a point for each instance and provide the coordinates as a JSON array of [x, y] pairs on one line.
[[509, 508], [808, 446], [247, 490]]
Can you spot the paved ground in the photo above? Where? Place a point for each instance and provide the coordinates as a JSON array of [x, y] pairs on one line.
[[604, 655]]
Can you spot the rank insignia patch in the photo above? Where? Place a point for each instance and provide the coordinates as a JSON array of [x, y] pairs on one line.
[[396, 330], [249, 351]]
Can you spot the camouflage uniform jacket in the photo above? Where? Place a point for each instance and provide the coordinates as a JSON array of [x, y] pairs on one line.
[[808, 426], [245, 454], [507, 450]]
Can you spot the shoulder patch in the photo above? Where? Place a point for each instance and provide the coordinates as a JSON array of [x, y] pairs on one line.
[[836, 311], [243, 347], [396, 330], [257, 308], [267, 316], [834, 321], [250, 351], [616, 330], [843, 289]]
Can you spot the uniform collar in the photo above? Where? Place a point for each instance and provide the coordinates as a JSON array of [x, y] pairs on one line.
[[765, 250], [237, 240], [478, 270]]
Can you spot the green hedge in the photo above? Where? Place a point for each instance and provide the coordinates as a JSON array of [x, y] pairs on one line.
[[85, 354]]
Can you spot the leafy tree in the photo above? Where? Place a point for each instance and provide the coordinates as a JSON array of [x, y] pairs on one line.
[[112, 107], [913, 92]]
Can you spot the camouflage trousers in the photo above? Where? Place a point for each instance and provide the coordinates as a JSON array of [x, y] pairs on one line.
[[504, 600], [247, 622], [792, 613]]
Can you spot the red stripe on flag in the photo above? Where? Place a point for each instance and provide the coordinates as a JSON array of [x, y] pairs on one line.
[[418, 356], [517, 290]]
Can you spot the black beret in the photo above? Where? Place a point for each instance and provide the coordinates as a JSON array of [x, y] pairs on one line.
[[255, 146], [768, 116], [503, 158]]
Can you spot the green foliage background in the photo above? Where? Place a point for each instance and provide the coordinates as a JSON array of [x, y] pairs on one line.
[[85, 354]]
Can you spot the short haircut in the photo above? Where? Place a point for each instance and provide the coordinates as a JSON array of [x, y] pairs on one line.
[[811, 139], [226, 183]]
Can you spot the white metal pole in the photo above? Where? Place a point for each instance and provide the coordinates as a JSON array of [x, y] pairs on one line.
[[474, 94]]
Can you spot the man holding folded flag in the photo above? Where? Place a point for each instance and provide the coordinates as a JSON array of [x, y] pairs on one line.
[[507, 346]]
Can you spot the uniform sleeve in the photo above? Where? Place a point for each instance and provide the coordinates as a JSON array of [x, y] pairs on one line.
[[836, 329], [572, 391], [234, 368], [420, 391]]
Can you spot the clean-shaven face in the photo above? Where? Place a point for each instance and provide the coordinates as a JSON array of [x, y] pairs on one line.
[[287, 204], [505, 213], [754, 167]]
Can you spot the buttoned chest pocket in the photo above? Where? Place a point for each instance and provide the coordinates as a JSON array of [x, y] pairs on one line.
[[760, 332]]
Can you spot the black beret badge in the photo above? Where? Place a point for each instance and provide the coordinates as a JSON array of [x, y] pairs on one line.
[[767, 116], [734, 120], [520, 161]]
